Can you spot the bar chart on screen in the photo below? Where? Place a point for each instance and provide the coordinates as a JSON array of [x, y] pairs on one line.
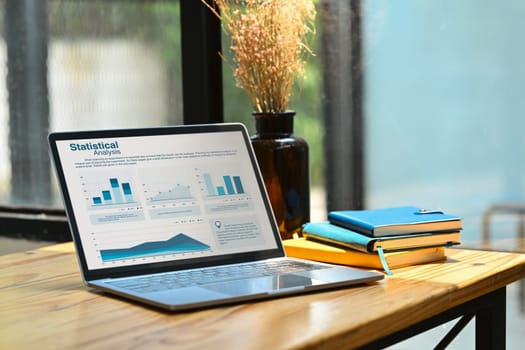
[[104, 191], [219, 184], [223, 190]]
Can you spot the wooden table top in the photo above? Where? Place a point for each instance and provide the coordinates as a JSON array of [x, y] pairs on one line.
[[44, 303]]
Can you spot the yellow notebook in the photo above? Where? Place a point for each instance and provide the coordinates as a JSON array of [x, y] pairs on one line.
[[312, 250]]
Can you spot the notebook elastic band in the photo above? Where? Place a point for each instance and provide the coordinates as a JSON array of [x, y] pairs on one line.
[[383, 260]]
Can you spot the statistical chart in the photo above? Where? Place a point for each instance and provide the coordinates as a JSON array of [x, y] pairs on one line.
[[180, 243], [217, 183], [107, 191]]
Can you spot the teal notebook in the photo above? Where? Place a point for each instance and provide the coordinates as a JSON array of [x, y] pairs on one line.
[[327, 232], [395, 221]]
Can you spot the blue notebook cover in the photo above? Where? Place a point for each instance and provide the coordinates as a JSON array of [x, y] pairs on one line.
[[395, 221], [327, 232]]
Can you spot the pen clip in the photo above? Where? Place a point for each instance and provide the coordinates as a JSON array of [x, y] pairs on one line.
[[426, 211]]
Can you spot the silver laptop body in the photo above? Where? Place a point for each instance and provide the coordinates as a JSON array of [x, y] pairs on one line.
[[178, 218]]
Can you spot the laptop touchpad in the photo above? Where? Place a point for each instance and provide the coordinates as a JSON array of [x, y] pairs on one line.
[[261, 284]]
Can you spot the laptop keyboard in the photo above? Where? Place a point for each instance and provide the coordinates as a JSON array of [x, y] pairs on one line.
[[180, 279]]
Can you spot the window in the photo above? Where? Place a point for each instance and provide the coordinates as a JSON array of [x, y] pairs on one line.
[[444, 111], [77, 64], [405, 103], [81, 65]]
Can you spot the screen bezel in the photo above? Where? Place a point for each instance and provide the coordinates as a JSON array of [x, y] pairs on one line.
[[94, 274]]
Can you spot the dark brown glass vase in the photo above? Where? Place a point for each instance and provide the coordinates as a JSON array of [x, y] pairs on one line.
[[284, 164]]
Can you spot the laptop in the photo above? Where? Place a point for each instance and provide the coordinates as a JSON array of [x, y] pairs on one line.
[[178, 218]]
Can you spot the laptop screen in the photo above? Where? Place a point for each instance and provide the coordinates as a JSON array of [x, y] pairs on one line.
[[162, 195]]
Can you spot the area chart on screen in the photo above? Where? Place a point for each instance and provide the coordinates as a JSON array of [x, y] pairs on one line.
[[180, 243]]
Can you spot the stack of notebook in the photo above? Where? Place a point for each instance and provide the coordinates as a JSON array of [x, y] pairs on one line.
[[378, 238]]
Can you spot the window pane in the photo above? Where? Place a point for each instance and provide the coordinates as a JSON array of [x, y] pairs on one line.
[[444, 109], [109, 64], [114, 63]]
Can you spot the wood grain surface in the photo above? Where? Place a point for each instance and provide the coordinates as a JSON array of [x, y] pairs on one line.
[[44, 304]]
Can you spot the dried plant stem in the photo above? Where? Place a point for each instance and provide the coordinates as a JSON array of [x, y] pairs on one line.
[[269, 42]]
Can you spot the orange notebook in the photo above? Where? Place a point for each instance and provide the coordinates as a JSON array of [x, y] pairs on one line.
[[312, 250]]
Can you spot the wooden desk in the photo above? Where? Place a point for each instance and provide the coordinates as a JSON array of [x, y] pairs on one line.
[[43, 303]]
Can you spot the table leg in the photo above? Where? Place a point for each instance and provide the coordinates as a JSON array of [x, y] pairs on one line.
[[490, 315], [491, 321]]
